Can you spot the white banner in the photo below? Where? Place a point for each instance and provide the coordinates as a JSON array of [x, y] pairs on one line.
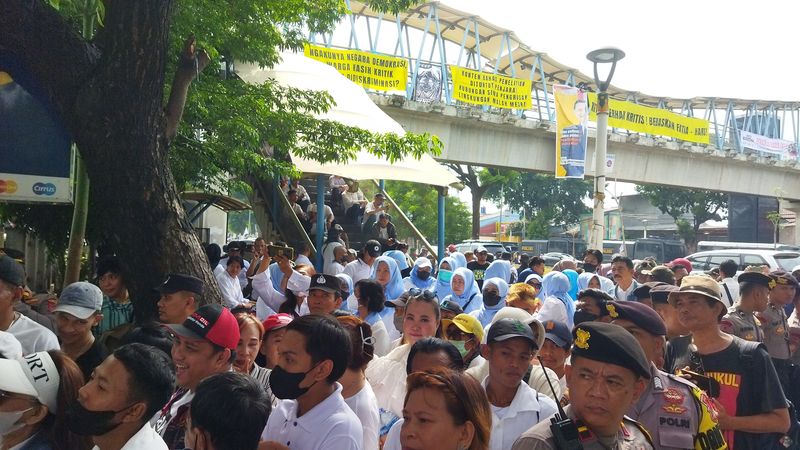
[[779, 147]]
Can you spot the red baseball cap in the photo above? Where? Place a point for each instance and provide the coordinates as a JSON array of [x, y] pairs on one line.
[[277, 321], [681, 262], [213, 323]]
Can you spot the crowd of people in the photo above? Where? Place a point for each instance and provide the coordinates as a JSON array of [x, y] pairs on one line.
[[382, 350]]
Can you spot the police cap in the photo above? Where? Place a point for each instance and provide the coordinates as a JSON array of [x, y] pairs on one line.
[[612, 344], [640, 314]]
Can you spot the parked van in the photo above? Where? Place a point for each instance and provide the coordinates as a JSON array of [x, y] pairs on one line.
[[775, 259]]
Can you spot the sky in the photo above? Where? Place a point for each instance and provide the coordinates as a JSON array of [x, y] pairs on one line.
[[678, 49]]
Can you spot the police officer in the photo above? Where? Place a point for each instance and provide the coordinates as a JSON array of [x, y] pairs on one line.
[[642, 293], [608, 373], [677, 413], [741, 319], [773, 319]]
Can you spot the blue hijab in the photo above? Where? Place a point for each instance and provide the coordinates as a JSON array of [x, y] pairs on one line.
[[394, 288], [276, 276], [486, 313], [399, 257], [442, 288], [416, 281], [460, 259], [498, 269], [349, 281], [470, 291], [556, 284], [606, 285], [573, 282], [535, 276]]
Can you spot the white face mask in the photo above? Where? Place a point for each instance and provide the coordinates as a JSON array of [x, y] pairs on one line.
[[8, 421]]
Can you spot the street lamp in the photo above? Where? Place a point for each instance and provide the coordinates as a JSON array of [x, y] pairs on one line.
[[644, 222], [607, 55]]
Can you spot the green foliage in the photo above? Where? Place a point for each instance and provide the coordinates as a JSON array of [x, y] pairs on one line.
[[545, 200], [420, 203], [703, 205]]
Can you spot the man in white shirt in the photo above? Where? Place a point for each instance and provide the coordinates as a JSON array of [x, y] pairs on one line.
[[362, 267], [234, 248], [298, 210], [303, 252], [312, 217], [339, 256], [134, 382], [228, 408], [372, 210], [728, 285], [622, 272], [516, 407], [312, 414], [302, 195], [354, 202], [205, 344], [229, 286], [32, 336]]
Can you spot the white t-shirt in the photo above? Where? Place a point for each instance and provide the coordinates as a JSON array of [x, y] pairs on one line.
[[358, 270], [733, 289], [231, 290], [144, 439], [303, 259], [365, 405], [327, 256], [331, 424], [32, 336], [327, 210], [526, 410]]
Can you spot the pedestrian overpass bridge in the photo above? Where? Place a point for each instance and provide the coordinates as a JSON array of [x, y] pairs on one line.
[[434, 35]]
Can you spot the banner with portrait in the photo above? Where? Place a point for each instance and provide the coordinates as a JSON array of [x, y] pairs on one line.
[[778, 147], [428, 87], [572, 116]]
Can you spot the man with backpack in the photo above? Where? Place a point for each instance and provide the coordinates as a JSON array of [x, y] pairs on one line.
[[739, 375]]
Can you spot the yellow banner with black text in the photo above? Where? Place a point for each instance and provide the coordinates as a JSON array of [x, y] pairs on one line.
[[646, 119], [370, 70], [484, 88]]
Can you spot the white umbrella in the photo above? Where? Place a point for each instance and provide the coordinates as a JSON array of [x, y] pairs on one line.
[[353, 108]]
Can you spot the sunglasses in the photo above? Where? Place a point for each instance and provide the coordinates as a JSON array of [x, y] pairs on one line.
[[536, 285], [423, 293]]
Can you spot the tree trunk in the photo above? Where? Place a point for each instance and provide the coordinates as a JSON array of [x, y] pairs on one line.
[[112, 104]]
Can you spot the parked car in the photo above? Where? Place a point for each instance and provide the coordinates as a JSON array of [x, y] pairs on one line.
[[775, 259], [470, 245]]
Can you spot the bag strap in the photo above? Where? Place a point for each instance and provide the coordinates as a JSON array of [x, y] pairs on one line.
[[728, 293], [470, 300]]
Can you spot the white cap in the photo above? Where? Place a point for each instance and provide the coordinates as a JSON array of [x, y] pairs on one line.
[[34, 375], [10, 348]]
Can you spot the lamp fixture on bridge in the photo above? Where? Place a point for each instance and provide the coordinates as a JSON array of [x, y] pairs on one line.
[[607, 55]]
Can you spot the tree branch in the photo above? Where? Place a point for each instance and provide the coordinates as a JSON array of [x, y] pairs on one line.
[[190, 64], [56, 57]]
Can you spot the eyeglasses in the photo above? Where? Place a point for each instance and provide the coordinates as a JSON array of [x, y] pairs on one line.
[[536, 285], [421, 293]]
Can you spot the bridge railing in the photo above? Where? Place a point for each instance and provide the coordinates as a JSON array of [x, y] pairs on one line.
[[448, 40]]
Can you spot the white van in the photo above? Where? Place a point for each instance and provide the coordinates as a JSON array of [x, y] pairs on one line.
[[775, 259]]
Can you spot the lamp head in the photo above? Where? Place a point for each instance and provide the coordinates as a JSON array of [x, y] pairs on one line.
[[605, 55]]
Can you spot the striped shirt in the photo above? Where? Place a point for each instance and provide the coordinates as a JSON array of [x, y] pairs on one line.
[[114, 315]]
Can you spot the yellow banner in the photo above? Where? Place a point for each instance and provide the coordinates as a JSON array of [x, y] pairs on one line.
[[483, 88], [370, 70], [645, 119]]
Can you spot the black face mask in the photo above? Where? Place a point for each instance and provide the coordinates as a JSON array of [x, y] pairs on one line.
[[591, 268], [490, 298], [423, 275], [583, 316], [83, 422], [286, 385]]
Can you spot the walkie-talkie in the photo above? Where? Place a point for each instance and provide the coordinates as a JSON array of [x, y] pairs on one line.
[[564, 430]]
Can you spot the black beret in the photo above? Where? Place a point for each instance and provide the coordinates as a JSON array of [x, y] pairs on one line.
[[783, 277], [640, 314], [757, 278], [595, 293], [180, 282], [612, 344], [659, 294], [643, 291]]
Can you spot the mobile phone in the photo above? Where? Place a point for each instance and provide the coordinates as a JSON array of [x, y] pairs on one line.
[[276, 250], [704, 382]]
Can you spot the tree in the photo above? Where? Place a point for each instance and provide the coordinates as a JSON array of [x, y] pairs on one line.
[[478, 180], [701, 204], [544, 200], [419, 202], [110, 94]]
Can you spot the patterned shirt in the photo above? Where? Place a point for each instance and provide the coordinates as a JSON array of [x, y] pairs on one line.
[[114, 315]]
